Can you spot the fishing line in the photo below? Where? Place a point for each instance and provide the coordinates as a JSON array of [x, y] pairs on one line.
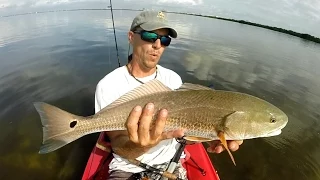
[[114, 32], [115, 39]]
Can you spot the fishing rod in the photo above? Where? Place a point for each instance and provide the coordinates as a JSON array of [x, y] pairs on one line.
[[115, 39], [174, 161], [165, 174], [114, 32]]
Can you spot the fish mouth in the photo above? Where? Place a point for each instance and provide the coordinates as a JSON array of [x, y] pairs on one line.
[[275, 133]]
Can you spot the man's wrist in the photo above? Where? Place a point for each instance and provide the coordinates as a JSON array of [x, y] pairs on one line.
[[126, 148]]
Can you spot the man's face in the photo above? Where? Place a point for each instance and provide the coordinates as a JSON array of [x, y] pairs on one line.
[[147, 53]]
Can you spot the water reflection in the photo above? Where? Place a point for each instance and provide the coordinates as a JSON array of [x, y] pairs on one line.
[[288, 86], [68, 80], [59, 58], [48, 58]]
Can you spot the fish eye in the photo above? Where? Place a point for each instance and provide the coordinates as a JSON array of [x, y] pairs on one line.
[[273, 119]]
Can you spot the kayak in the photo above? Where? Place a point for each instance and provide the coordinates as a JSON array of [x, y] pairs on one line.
[[197, 162]]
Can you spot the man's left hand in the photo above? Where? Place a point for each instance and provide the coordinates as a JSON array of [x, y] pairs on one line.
[[217, 147]]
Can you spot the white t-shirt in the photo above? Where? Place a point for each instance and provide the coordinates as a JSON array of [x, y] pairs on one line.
[[119, 82]]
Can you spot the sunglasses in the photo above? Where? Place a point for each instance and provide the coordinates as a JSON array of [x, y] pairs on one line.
[[152, 37]]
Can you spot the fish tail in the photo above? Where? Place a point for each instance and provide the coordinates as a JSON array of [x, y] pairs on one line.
[[58, 127]]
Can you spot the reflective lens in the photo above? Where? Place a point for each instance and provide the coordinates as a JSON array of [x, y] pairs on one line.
[[152, 37]]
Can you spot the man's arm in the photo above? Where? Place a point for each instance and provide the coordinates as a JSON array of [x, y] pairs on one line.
[[121, 142]]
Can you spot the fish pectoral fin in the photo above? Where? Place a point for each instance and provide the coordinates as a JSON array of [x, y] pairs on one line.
[[224, 143], [196, 139], [234, 117]]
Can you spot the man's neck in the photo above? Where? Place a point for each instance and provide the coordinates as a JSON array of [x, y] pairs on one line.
[[139, 71]]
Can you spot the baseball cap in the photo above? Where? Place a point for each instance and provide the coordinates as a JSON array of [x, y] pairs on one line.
[[152, 20]]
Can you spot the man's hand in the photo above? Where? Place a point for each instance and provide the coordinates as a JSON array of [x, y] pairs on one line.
[[139, 131], [217, 147], [140, 136]]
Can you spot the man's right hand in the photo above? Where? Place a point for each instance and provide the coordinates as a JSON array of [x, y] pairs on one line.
[[140, 137], [140, 132]]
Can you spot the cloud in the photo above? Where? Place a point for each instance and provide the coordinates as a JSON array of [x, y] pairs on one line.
[[184, 2], [37, 3], [301, 16]]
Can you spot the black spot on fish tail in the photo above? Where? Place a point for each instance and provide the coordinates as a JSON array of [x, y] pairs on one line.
[[73, 124]]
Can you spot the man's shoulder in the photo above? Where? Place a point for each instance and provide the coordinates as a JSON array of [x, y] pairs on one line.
[[167, 71], [112, 77], [170, 77]]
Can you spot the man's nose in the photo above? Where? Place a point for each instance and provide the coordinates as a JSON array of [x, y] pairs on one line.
[[157, 44]]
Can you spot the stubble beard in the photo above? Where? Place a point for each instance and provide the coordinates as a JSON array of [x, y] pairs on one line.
[[150, 63]]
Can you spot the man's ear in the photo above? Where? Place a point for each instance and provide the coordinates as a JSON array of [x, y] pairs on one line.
[[130, 37]]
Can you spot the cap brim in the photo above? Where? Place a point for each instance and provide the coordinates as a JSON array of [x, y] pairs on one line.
[[153, 26]]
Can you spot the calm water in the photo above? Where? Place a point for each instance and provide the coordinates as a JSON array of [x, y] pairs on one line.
[[59, 58]]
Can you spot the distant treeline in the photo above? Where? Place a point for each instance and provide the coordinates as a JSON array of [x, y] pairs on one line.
[[293, 33], [301, 35]]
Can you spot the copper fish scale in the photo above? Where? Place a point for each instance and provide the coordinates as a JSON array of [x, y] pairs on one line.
[[199, 111]]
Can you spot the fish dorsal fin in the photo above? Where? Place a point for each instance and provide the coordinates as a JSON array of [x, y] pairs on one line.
[[151, 87], [190, 86]]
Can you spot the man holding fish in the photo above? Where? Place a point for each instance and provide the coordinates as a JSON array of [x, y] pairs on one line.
[[144, 107], [149, 35]]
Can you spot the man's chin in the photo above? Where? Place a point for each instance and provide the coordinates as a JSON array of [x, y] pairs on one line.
[[151, 65], [153, 61]]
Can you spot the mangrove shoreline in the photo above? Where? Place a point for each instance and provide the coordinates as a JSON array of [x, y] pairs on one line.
[[290, 32], [285, 31]]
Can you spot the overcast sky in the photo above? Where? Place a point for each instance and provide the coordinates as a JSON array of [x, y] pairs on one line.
[[298, 15]]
